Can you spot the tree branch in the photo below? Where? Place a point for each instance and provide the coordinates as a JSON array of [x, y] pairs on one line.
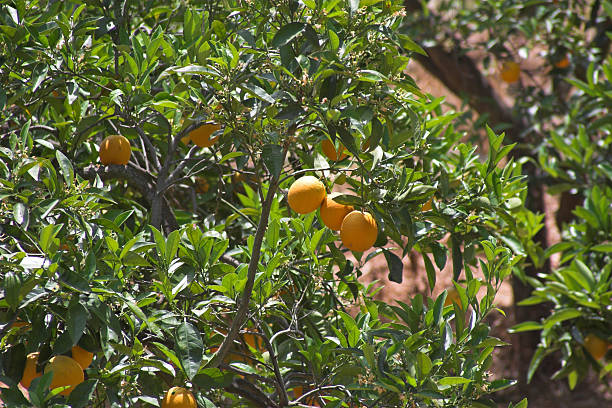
[[251, 392], [243, 308], [138, 179], [280, 383]]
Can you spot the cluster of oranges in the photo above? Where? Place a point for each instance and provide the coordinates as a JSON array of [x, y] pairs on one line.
[[358, 229], [67, 371]]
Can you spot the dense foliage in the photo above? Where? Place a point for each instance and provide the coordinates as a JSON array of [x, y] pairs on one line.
[[186, 267], [155, 278]]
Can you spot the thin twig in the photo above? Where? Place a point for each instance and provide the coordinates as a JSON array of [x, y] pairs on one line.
[[280, 383]]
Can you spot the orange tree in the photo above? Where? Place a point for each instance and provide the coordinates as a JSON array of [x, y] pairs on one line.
[[556, 107], [225, 292], [579, 325]]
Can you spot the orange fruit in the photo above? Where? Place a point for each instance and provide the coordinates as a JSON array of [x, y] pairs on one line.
[[19, 324], [66, 371], [29, 371], [510, 72], [452, 295], [358, 231], [201, 135], [115, 149], [366, 145], [331, 152], [563, 62], [179, 397], [298, 391], [254, 341], [202, 185], [82, 356], [306, 194], [596, 346], [186, 139], [332, 213], [238, 178], [427, 206]]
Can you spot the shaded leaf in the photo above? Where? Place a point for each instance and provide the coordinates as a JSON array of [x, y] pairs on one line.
[[287, 33], [189, 349]]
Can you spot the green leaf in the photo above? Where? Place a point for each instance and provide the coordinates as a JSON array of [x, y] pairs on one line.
[[213, 378], [189, 349], [368, 75], [438, 307], [3, 99], [13, 360], [606, 248], [439, 253], [351, 328], [424, 364], [501, 384], [410, 45], [586, 278], [457, 257], [525, 326], [21, 215], [82, 394], [39, 389], [77, 320], [561, 316], [454, 381], [39, 74], [334, 42], [287, 33], [12, 287], [258, 92], [172, 244], [272, 155], [140, 314], [396, 267], [65, 167], [522, 404], [431, 272]]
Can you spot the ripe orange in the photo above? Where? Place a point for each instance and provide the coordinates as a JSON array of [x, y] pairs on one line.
[[298, 391], [19, 324], [427, 206], [563, 62], [179, 397], [202, 185], [201, 135], [332, 213], [82, 356], [358, 231], [452, 295], [29, 372], [306, 194], [596, 346], [331, 152], [254, 341], [510, 72], [66, 371], [115, 149]]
